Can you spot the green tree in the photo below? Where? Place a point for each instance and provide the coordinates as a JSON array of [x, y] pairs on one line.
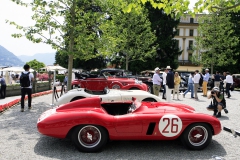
[[98, 62], [233, 68], [216, 42], [167, 52], [132, 36], [36, 65], [165, 28], [69, 26], [176, 8]]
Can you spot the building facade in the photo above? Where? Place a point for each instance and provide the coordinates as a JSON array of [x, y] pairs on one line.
[[186, 33]]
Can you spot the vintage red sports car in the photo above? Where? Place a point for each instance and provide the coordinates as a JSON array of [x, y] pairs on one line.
[[99, 83], [90, 123]]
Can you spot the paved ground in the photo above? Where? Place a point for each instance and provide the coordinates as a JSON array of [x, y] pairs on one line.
[[21, 140]]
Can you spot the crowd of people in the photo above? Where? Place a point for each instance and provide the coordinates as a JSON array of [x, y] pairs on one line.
[[221, 84]]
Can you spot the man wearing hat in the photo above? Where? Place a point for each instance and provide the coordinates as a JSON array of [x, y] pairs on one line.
[[156, 82], [218, 102], [205, 82], [169, 83]]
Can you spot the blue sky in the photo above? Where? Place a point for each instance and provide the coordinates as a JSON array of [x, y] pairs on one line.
[[22, 16]]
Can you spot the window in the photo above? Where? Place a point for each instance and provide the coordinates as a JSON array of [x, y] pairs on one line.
[[191, 32], [191, 20], [177, 44], [177, 32], [190, 45]]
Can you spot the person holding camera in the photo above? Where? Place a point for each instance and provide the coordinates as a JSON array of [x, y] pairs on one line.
[[218, 102]]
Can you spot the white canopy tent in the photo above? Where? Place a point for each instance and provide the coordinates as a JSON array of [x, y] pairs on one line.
[[7, 73], [14, 69]]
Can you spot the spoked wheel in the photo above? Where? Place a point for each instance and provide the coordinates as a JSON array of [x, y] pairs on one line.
[[116, 86], [89, 138], [197, 136]]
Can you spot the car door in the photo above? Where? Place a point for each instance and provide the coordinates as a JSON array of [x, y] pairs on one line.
[[93, 84], [128, 123]]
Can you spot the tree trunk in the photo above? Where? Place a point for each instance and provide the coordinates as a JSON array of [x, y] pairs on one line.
[[127, 59], [71, 46], [70, 64]]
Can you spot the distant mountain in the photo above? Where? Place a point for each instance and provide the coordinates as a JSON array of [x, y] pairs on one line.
[[8, 58], [46, 58]]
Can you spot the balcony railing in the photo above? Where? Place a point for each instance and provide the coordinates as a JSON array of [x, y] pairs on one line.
[[186, 63], [190, 49]]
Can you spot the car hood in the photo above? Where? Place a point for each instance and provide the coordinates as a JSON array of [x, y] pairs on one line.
[[86, 103], [130, 92], [164, 107]]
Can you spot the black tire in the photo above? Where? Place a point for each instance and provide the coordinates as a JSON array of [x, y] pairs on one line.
[[197, 143], [149, 100], [116, 86], [89, 138], [76, 98]]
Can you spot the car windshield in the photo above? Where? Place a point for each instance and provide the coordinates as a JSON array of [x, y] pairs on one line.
[[117, 74]]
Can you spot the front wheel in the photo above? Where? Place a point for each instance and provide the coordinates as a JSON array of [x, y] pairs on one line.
[[89, 138], [197, 136], [116, 86]]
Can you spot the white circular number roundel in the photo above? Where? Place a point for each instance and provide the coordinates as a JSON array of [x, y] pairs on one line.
[[170, 125]]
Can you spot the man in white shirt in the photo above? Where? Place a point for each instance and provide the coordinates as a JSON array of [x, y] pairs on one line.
[[156, 82], [164, 75], [196, 83], [229, 83]]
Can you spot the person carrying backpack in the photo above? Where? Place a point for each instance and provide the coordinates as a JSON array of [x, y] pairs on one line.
[[26, 78]]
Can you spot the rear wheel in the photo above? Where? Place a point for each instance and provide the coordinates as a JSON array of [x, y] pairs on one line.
[[89, 138], [116, 86], [197, 136]]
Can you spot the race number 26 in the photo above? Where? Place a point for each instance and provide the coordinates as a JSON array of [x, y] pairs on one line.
[[170, 125]]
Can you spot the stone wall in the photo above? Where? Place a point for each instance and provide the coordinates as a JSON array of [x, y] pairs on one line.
[[15, 89]]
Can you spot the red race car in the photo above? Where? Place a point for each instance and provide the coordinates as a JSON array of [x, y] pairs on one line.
[[90, 123], [99, 83]]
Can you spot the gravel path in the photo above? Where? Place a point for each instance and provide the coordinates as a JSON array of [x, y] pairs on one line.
[[21, 140]]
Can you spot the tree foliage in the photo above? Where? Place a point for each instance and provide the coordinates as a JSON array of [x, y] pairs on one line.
[[98, 62], [176, 8], [233, 68], [217, 41], [69, 26], [36, 65], [132, 36]]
